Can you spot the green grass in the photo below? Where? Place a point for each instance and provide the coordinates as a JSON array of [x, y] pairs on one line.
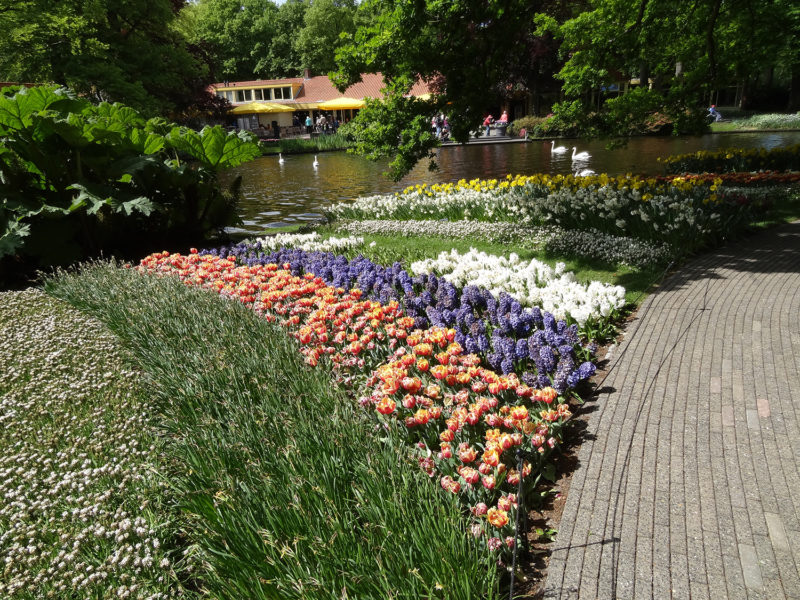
[[321, 143], [287, 490], [758, 122]]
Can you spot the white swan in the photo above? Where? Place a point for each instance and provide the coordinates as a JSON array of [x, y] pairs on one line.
[[280, 158], [315, 164], [557, 149], [584, 173], [580, 155]]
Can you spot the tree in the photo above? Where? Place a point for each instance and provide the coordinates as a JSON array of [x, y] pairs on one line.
[[117, 50], [472, 53], [237, 35], [284, 57], [325, 21], [687, 50]]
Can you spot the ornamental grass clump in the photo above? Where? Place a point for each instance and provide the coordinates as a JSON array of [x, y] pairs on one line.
[[286, 487], [83, 513]]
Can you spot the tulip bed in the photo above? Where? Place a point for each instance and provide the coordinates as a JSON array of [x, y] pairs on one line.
[[464, 419], [532, 283]]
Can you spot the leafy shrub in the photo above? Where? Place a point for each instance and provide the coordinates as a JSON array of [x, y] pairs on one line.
[[535, 126], [77, 178]]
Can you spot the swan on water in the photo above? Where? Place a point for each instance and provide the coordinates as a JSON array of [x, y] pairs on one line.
[[557, 149], [580, 155]]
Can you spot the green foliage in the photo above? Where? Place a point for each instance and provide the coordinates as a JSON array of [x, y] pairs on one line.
[[470, 52], [324, 22], [77, 178], [684, 53], [112, 50], [286, 488], [767, 121], [397, 127], [236, 35], [534, 126]]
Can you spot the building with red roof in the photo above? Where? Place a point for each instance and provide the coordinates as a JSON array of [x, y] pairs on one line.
[[286, 102]]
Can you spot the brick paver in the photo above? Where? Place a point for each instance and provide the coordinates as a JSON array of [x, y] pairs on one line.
[[688, 485]]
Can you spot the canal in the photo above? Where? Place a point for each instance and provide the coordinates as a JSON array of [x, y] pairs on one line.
[[276, 194]]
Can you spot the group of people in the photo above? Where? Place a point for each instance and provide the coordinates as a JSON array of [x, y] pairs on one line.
[[323, 124], [489, 121], [441, 126]]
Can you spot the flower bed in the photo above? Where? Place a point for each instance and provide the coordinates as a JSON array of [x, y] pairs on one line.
[[483, 324], [311, 242], [590, 244], [735, 159], [682, 212], [424, 371], [532, 283]]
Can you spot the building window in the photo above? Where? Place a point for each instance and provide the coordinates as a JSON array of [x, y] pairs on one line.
[[229, 96], [244, 95], [258, 94], [287, 93], [276, 93]]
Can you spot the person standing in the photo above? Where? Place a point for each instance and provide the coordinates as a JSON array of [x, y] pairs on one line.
[[487, 122], [309, 124]]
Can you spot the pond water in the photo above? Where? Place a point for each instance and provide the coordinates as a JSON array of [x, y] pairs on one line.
[[294, 192]]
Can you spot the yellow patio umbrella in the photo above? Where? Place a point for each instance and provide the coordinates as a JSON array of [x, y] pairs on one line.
[[259, 107], [342, 104]]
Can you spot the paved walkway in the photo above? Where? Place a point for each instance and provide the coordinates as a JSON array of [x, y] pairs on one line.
[[688, 484]]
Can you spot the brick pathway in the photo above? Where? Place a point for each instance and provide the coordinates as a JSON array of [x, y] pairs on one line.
[[689, 483]]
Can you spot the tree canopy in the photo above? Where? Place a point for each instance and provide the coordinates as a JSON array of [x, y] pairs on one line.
[[476, 53], [116, 50]]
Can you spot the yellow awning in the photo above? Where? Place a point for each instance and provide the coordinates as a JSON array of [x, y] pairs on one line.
[[342, 104], [259, 108], [304, 105]]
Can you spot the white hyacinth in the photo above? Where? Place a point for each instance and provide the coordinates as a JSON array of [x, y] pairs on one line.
[[310, 242], [532, 283]]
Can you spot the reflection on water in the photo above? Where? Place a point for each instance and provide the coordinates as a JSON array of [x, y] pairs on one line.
[[296, 192]]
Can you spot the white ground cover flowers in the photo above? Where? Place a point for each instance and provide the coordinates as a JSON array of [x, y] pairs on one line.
[[310, 242], [590, 244], [78, 494], [532, 283]]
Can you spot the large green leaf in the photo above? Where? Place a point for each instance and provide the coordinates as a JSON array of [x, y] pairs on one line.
[[146, 142], [214, 147], [12, 233], [95, 197], [18, 111], [119, 114]]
